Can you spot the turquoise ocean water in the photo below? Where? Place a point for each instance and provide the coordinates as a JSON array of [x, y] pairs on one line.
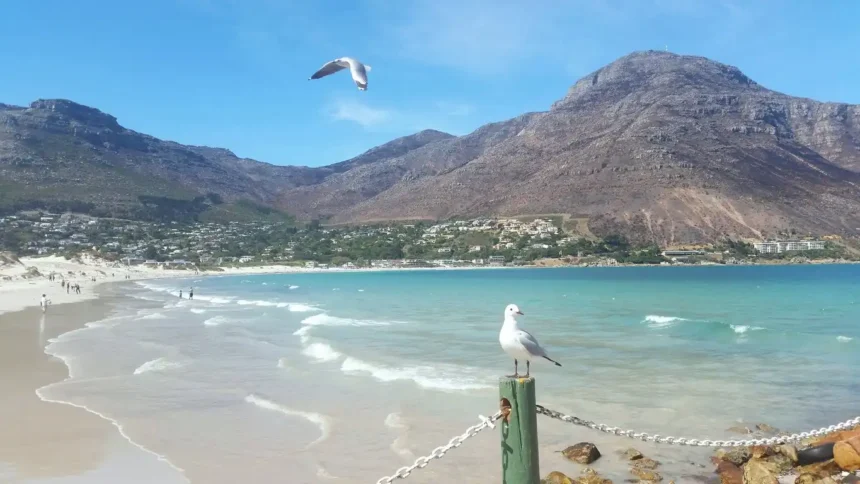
[[312, 377]]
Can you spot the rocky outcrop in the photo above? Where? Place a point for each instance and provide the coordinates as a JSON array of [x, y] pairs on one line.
[[846, 454], [556, 477], [582, 453], [758, 471]]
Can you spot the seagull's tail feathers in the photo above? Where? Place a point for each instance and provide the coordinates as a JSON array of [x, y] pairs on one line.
[[550, 359]]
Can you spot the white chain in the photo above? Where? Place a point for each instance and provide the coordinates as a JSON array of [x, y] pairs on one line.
[[438, 452], [784, 439]]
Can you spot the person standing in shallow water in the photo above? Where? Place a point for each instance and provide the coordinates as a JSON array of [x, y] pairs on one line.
[[180, 294], [191, 293]]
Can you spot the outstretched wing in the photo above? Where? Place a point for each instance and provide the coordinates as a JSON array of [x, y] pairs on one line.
[[530, 343], [328, 68]]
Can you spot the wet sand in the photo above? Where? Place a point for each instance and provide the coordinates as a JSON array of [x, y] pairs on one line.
[[53, 442]]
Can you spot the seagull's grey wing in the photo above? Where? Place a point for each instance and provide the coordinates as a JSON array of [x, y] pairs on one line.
[[530, 343], [359, 74], [328, 68]]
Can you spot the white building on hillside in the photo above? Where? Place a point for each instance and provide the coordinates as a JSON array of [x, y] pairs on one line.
[[780, 246]]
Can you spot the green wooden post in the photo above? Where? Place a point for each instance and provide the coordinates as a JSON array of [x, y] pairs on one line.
[[519, 432]]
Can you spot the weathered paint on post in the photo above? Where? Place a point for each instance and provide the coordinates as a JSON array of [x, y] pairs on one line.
[[519, 432]]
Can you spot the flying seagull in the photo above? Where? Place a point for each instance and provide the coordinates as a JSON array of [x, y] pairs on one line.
[[357, 69], [519, 344]]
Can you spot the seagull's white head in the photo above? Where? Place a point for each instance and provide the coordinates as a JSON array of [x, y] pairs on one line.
[[512, 310]]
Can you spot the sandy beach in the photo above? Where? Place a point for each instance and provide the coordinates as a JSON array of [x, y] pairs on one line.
[[51, 442]]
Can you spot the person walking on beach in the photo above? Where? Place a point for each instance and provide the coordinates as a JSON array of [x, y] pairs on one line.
[[191, 293], [180, 294], [44, 303], [68, 288]]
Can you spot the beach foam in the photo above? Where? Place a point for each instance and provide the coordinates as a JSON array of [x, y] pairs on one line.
[[294, 307], [261, 303], [844, 339], [323, 473], [218, 321], [294, 287], [198, 311], [303, 333], [657, 321], [399, 446], [154, 316], [432, 377], [158, 364], [321, 421], [214, 299], [742, 328], [321, 352], [327, 320], [302, 308]]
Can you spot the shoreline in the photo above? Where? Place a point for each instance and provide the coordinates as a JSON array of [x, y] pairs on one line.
[[51, 438]]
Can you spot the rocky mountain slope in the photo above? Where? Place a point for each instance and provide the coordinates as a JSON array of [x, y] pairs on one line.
[[655, 146], [663, 147]]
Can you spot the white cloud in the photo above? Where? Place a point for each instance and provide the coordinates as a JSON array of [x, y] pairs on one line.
[[442, 115], [360, 112]]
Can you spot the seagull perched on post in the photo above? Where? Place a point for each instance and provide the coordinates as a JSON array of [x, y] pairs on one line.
[[519, 344], [357, 69]]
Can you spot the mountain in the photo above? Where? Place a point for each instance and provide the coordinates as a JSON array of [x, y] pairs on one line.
[[655, 146], [60, 155], [661, 147]]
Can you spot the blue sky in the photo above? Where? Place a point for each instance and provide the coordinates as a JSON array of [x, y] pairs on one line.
[[233, 73]]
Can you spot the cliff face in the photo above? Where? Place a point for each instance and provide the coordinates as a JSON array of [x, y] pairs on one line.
[[655, 146], [663, 147]]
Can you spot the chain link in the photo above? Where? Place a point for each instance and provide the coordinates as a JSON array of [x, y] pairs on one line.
[[660, 439], [438, 452]]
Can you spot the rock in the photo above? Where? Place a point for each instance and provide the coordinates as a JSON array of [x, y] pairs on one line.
[[851, 479], [646, 475], [590, 476], [811, 474], [846, 454], [737, 455], [782, 463], [789, 451], [827, 480], [556, 477], [757, 471], [837, 436], [762, 451], [766, 428], [739, 429], [632, 454], [646, 463], [729, 473], [582, 453]]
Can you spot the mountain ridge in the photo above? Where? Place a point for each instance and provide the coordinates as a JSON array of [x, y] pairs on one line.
[[656, 146]]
